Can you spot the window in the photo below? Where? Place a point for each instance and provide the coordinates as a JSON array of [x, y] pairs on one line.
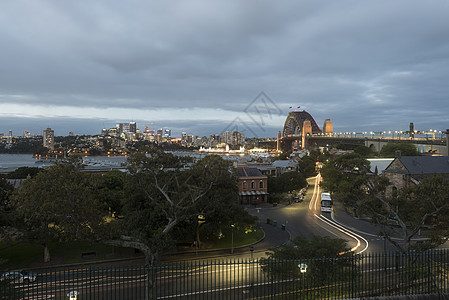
[[244, 185], [261, 184], [253, 185]]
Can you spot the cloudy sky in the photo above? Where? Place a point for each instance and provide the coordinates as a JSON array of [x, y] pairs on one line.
[[201, 66]]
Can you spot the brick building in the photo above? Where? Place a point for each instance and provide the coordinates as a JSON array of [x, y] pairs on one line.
[[252, 186], [407, 171]]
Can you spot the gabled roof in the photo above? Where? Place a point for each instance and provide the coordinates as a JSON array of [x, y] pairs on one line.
[[424, 164], [249, 172], [380, 163]]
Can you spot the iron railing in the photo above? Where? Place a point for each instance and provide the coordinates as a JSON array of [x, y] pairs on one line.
[[357, 276]]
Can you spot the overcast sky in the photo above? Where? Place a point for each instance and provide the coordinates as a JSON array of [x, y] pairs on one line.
[[200, 66]]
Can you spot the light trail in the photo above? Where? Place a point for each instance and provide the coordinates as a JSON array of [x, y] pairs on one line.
[[314, 198], [332, 223], [346, 231]]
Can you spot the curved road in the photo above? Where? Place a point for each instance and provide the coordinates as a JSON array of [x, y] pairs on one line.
[[306, 218]]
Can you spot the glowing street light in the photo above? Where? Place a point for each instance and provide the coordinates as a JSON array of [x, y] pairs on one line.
[[302, 268]]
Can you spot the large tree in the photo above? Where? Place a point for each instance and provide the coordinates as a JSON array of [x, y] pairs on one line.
[[5, 205], [59, 203], [406, 149], [322, 255], [423, 207], [162, 194]]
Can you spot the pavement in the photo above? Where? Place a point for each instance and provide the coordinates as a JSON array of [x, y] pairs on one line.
[[342, 216]]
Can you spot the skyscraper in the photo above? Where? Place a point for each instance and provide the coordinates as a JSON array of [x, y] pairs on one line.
[[49, 138], [132, 127]]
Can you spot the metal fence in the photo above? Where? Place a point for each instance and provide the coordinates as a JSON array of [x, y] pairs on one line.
[[358, 276]]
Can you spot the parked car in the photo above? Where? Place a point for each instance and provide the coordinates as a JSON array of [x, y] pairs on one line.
[[19, 276], [298, 199]]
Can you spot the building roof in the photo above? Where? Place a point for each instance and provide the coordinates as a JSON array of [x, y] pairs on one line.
[[424, 164], [285, 163], [248, 172], [380, 163], [15, 182]]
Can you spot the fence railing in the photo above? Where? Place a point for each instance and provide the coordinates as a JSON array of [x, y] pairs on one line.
[[358, 276]]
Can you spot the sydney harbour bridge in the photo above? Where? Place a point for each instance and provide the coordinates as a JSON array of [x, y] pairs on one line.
[[301, 131]]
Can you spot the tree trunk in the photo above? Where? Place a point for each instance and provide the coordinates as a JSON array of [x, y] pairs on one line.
[[46, 253]]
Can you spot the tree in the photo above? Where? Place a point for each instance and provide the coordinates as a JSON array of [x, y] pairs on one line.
[[220, 206], [319, 253], [162, 195], [421, 207], [307, 166], [5, 205], [286, 182], [24, 172], [406, 149], [110, 190], [345, 177], [364, 151], [59, 203]]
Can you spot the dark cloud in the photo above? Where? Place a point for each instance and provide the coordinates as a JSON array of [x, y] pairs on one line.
[[363, 64]]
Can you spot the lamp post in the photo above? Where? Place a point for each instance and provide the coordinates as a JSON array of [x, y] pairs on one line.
[[232, 238], [201, 220], [303, 270], [251, 249]]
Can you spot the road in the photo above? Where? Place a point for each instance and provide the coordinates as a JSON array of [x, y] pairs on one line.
[[305, 218]]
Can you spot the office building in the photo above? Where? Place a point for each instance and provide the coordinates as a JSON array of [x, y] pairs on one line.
[[49, 139]]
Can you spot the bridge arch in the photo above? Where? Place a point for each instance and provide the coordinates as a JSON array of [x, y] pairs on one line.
[[294, 123]]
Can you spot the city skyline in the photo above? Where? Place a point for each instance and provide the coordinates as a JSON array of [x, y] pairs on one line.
[[78, 67]]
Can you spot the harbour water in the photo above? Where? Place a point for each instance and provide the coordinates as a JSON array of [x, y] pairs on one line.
[[10, 162]]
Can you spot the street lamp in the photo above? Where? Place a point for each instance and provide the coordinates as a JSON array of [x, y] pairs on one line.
[[201, 220], [73, 295], [232, 238], [303, 270]]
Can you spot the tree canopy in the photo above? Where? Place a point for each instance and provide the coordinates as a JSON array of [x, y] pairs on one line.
[[302, 250], [5, 205], [162, 194], [406, 149], [58, 203], [23, 172], [286, 182]]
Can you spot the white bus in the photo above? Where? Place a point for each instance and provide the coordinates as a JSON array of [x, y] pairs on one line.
[[326, 202]]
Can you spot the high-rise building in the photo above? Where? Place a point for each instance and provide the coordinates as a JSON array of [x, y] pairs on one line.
[[132, 127], [49, 138], [232, 137]]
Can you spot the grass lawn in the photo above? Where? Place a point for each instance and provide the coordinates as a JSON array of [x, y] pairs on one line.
[[23, 255], [19, 255], [240, 238]]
